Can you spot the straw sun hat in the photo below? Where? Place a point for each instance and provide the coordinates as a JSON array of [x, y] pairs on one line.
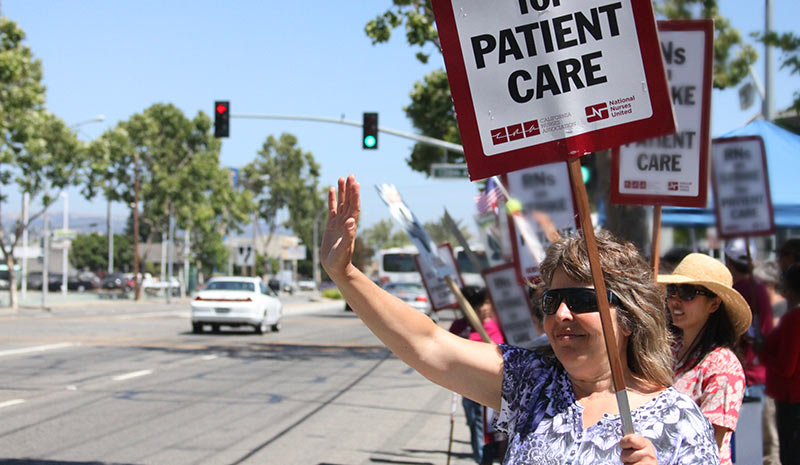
[[701, 270]]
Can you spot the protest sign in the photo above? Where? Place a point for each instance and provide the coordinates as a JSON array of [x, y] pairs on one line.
[[512, 305], [437, 288], [546, 195], [536, 82], [742, 202], [672, 169], [413, 228]]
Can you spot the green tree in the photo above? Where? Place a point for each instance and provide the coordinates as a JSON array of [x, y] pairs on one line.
[[283, 176], [90, 252], [440, 232], [789, 44], [39, 154], [382, 235], [180, 175]]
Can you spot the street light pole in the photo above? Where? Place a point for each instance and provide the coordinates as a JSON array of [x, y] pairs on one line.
[[65, 246]]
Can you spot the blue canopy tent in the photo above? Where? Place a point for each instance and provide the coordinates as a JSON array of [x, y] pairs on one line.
[[783, 165]]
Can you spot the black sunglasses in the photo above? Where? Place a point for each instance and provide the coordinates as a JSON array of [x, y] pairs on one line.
[[687, 292], [578, 300]]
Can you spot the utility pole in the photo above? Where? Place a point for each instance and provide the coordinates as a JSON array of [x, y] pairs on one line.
[[26, 199], [170, 251], [255, 241], [768, 105], [110, 238], [45, 259], [137, 290]]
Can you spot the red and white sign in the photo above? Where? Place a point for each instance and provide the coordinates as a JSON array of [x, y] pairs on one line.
[[546, 195], [438, 291], [672, 169], [535, 82], [512, 305], [739, 175]]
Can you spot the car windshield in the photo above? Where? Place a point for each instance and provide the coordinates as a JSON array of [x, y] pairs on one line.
[[230, 286], [404, 287]]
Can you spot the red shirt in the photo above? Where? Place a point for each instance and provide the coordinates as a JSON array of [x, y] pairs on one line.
[[754, 370], [492, 329], [781, 356], [716, 384]]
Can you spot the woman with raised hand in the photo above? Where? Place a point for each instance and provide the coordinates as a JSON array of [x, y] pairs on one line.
[[708, 316], [557, 405]]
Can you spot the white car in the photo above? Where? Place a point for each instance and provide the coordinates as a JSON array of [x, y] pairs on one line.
[[236, 301]]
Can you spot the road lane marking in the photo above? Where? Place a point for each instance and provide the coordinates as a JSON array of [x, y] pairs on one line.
[[134, 374], [208, 357], [28, 350], [10, 403]]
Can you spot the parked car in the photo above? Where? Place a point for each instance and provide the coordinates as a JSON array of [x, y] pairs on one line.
[[307, 285], [413, 294], [35, 281], [155, 286], [236, 301], [83, 281], [119, 281]]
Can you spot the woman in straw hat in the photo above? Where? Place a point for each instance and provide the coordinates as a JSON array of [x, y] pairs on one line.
[[559, 407], [708, 316]]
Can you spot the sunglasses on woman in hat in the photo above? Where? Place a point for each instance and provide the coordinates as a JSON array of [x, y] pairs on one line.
[[708, 316]]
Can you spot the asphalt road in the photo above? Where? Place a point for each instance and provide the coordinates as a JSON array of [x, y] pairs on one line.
[[126, 383]]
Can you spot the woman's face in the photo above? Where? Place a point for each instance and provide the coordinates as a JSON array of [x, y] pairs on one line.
[[691, 315], [577, 338]]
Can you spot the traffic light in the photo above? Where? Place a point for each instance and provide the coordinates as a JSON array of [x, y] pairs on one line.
[[370, 127], [222, 117]]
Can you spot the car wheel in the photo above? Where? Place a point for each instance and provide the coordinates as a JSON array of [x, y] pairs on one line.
[[261, 328], [197, 328], [215, 328], [276, 327]]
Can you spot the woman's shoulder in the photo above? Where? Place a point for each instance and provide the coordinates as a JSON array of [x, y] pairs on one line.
[[722, 360], [672, 408]]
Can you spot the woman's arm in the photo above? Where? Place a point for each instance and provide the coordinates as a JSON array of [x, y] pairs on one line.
[[719, 434], [473, 369]]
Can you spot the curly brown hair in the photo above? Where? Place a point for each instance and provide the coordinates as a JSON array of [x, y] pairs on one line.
[[629, 276]]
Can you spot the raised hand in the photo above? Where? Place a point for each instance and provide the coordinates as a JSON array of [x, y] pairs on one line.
[[340, 231]]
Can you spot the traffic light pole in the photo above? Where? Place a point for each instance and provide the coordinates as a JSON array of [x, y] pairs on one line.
[[415, 137]]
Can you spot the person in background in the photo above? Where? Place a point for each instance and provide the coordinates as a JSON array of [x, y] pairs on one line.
[[556, 406], [756, 295], [789, 253], [781, 355], [708, 316], [769, 274], [483, 450]]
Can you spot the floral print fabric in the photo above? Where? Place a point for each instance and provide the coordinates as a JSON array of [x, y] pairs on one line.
[[717, 385], [544, 422]]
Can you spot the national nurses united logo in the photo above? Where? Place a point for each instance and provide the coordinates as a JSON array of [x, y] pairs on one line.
[[596, 112], [516, 132]]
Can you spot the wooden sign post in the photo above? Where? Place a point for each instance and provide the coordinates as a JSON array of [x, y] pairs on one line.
[[582, 200]]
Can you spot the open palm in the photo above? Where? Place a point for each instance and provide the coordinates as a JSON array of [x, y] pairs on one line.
[[340, 231]]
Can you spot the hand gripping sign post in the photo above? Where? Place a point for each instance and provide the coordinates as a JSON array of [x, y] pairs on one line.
[[537, 81], [427, 250], [672, 169], [742, 202]]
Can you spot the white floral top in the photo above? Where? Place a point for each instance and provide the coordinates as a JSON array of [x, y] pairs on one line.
[[544, 422]]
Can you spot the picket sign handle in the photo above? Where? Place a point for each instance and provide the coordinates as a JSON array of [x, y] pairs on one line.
[[582, 200], [654, 246], [467, 309]]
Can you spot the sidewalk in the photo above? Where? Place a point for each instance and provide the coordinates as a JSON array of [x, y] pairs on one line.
[[78, 300]]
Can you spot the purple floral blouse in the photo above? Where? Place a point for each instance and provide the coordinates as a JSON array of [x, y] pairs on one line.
[[544, 422]]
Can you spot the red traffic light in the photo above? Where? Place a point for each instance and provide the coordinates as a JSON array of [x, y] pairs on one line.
[[222, 108], [222, 118]]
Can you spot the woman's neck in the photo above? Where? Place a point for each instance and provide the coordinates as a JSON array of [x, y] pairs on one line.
[[690, 336]]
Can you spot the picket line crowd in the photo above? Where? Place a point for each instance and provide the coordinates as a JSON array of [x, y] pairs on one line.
[[693, 342]]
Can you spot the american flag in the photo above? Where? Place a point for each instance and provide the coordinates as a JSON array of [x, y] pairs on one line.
[[487, 200]]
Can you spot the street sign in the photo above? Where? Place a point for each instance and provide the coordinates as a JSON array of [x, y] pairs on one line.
[[672, 170], [244, 256], [545, 81], [60, 234], [449, 171]]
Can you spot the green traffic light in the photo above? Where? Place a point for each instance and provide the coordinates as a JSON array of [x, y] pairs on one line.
[[369, 141], [586, 174]]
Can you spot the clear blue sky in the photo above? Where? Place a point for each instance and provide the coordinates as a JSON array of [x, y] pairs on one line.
[[283, 58]]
